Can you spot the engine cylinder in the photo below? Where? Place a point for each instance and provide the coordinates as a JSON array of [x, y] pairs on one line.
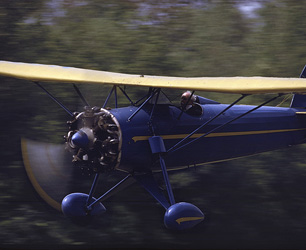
[[94, 138]]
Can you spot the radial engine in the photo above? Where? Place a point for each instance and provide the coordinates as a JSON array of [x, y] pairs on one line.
[[94, 139]]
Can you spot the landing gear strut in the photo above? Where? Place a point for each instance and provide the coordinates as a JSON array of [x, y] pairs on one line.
[[180, 215]]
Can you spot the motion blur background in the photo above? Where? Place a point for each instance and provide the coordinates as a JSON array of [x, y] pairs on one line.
[[256, 202]]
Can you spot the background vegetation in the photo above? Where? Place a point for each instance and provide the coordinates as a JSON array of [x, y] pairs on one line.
[[257, 202]]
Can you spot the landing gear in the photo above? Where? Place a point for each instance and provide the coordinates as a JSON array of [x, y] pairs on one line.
[[82, 207], [180, 215], [74, 205]]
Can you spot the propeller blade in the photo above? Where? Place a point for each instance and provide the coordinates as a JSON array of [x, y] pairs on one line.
[[50, 170], [53, 175]]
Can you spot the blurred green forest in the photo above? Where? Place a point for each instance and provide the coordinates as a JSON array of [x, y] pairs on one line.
[[255, 202]]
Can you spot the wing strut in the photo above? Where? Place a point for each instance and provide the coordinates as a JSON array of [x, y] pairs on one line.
[[80, 95], [55, 99], [206, 123], [144, 103], [116, 97], [222, 125], [114, 89], [109, 95], [152, 112], [126, 95]]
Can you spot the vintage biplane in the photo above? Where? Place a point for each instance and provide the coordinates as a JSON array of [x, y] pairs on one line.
[[154, 136]]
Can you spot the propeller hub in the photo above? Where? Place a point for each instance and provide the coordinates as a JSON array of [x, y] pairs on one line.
[[83, 138]]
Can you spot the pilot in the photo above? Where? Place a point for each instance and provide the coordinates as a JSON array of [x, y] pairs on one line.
[[191, 108]]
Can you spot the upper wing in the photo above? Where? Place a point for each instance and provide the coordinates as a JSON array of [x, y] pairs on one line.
[[239, 85]]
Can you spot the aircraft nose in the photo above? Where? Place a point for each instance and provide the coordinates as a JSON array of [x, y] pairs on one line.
[[80, 139]]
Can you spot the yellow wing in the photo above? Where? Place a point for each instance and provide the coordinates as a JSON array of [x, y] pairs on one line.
[[239, 85]]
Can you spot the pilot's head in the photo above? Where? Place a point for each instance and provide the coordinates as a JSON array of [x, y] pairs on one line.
[[185, 97]]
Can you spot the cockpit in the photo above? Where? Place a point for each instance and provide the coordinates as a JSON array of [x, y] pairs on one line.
[[194, 107]]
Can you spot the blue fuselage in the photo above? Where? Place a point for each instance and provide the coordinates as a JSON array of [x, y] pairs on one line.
[[265, 129]]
